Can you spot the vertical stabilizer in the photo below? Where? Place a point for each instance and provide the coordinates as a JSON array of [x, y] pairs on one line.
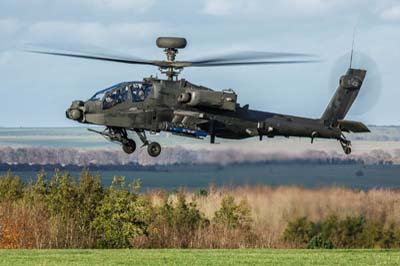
[[349, 87]]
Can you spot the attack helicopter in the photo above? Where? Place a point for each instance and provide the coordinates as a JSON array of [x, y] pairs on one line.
[[178, 106]]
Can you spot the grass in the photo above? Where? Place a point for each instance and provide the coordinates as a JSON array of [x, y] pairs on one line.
[[199, 257]]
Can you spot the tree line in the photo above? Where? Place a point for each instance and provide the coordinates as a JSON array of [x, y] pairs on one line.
[[25, 157]]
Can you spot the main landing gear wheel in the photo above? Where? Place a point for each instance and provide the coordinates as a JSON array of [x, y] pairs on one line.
[[129, 146], [154, 149]]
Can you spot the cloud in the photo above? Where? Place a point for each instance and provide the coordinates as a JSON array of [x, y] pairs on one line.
[[9, 26], [391, 14], [309, 6], [93, 32], [219, 7], [73, 9], [281, 9], [137, 6], [5, 57]]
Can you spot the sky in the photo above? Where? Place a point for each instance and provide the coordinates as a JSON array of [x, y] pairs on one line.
[[37, 89]]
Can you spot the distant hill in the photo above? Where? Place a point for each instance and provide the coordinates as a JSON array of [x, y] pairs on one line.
[[220, 155], [379, 133]]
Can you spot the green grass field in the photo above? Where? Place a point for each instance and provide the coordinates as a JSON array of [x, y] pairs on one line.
[[199, 257]]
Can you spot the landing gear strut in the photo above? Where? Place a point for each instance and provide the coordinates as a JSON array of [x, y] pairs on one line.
[[129, 145], [153, 148], [346, 144], [118, 135]]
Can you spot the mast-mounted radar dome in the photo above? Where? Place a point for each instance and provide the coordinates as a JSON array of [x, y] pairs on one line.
[[171, 42]]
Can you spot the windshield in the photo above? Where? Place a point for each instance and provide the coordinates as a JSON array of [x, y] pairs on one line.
[[100, 94], [133, 91]]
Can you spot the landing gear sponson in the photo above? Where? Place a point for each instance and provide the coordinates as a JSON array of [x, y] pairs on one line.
[[120, 135]]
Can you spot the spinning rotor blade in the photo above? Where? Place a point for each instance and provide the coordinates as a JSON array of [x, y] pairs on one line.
[[372, 86], [252, 63], [101, 57], [233, 59], [115, 58], [244, 56]]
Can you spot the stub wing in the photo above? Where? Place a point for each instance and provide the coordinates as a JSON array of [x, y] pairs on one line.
[[186, 124]]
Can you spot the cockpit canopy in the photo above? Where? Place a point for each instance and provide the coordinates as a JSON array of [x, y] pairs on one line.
[[133, 91]]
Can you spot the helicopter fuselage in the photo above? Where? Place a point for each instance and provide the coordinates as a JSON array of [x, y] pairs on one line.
[[164, 110], [189, 110]]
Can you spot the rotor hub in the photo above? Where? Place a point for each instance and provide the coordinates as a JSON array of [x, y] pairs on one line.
[[171, 54], [171, 46]]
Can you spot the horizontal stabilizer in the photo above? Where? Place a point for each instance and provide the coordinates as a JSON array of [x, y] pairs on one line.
[[353, 126]]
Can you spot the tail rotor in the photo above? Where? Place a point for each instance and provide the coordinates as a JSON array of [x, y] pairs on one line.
[[371, 89]]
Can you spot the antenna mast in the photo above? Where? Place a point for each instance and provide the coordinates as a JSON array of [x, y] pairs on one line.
[[352, 46]]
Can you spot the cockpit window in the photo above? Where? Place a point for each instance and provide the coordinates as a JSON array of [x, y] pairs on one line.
[[140, 91], [100, 94], [115, 97], [134, 91]]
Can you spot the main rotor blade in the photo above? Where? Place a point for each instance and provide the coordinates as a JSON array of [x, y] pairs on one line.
[[253, 63], [108, 58], [246, 56], [234, 59]]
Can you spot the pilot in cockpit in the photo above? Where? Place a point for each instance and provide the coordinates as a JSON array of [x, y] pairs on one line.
[[108, 102], [141, 94], [138, 92]]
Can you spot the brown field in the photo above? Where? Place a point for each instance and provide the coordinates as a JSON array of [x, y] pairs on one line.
[[68, 214], [272, 208]]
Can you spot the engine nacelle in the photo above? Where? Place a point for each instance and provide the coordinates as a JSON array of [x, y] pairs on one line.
[[225, 100], [185, 97]]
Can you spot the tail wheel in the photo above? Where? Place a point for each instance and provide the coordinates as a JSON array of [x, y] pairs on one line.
[[129, 146], [154, 149], [346, 146], [347, 150]]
